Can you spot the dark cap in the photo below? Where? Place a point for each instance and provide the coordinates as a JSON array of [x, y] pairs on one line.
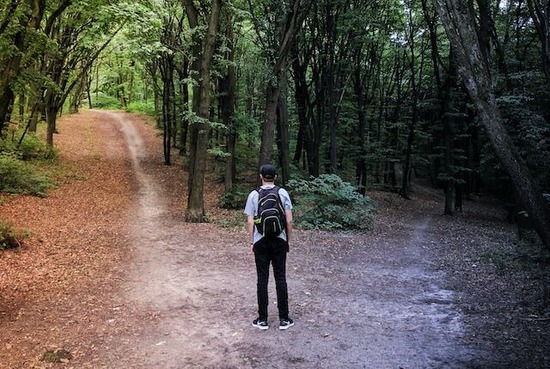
[[268, 171]]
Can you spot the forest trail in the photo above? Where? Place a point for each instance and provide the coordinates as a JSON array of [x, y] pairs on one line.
[[199, 281], [175, 295]]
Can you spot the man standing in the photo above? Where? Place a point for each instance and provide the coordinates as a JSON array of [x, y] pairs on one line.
[[270, 250]]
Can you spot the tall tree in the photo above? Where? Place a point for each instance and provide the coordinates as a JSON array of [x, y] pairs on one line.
[[540, 13], [228, 82], [200, 129], [416, 68], [80, 33], [288, 20], [457, 19], [14, 34]]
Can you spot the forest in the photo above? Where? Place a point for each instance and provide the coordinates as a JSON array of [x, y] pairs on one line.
[[377, 92]]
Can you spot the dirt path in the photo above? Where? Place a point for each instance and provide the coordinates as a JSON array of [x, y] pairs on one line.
[[351, 310], [185, 293]]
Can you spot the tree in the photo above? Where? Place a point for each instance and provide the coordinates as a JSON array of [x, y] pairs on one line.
[[457, 19], [14, 35], [227, 87], [416, 70], [540, 13], [201, 127], [276, 48], [79, 38]]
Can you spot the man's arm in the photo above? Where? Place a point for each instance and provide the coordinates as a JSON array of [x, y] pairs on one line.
[[288, 214], [250, 229]]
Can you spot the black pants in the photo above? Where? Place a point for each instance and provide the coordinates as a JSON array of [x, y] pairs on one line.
[[266, 251]]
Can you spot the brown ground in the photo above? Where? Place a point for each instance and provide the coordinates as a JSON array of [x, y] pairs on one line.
[[115, 278]]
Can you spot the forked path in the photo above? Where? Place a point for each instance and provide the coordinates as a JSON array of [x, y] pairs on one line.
[[359, 301]]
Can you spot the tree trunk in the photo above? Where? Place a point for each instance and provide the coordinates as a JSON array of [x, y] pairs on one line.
[[10, 69], [270, 119], [283, 134], [301, 96], [168, 96], [448, 190], [448, 164], [360, 162], [540, 13], [51, 118], [458, 22], [227, 102], [184, 129], [296, 15], [195, 206]]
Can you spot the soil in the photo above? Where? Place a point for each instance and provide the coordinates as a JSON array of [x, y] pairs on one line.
[[112, 276]]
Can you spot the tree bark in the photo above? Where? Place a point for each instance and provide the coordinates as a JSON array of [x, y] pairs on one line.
[[10, 68], [227, 102], [294, 20], [458, 22], [540, 13], [201, 129], [283, 140]]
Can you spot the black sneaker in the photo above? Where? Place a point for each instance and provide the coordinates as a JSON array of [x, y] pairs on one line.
[[285, 323], [261, 324]]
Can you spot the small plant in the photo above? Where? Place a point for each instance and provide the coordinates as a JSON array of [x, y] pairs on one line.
[[501, 260], [17, 176], [106, 102], [10, 237], [32, 148], [231, 222], [57, 356], [142, 107], [234, 199], [329, 203]]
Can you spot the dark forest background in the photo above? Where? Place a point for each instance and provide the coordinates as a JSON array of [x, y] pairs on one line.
[[382, 94]]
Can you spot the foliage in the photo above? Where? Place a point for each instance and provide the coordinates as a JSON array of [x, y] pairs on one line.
[[343, 208], [17, 176], [358, 74], [141, 107], [10, 237], [102, 101], [234, 199], [30, 148]]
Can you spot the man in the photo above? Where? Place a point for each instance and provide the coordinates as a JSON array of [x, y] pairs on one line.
[[270, 250]]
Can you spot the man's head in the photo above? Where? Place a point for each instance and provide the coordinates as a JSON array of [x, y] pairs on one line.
[[268, 172]]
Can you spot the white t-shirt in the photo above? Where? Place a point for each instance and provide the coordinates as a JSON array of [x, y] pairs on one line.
[[251, 208]]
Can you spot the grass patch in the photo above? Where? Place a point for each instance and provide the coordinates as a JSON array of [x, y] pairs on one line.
[[18, 176], [10, 237]]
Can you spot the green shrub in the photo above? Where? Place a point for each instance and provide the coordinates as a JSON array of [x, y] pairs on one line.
[[32, 147], [102, 101], [17, 176], [328, 203], [234, 199], [10, 237], [142, 107]]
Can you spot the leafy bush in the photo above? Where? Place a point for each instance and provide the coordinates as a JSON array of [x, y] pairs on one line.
[[235, 199], [105, 102], [32, 148], [327, 202], [142, 107], [17, 176], [10, 237]]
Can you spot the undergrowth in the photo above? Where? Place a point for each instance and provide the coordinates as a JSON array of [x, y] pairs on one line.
[[10, 237], [19, 166], [328, 203]]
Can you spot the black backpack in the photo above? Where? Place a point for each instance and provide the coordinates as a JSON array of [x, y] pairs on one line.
[[271, 219]]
